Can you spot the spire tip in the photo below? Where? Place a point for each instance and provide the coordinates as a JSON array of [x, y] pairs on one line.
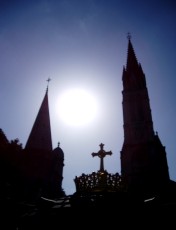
[[48, 80], [129, 36]]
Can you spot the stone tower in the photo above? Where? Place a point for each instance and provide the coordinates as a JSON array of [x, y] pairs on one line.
[[143, 157]]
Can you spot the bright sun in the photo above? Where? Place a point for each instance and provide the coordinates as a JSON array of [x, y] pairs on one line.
[[77, 107]]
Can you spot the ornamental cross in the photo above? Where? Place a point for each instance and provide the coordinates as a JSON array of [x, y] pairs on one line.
[[48, 80], [101, 154]]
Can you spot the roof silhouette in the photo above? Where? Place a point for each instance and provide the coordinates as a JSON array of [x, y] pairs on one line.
[[40, 136]]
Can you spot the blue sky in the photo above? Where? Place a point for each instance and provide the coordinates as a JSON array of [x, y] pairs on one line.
[[82, 43]]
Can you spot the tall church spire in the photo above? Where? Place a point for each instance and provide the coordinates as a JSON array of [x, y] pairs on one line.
[[143, 157], [40, 136], [138, 124]]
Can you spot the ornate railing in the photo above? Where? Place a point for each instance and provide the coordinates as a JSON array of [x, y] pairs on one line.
[[99, 181]]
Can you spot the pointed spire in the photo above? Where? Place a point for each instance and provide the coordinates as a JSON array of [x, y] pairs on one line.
[[40, 136], [131, 57]]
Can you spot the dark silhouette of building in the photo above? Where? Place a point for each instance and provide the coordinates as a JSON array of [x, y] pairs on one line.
[[44, 166], [143, 157], [40, 136]]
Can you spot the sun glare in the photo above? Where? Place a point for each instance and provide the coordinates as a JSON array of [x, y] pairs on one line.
[[77, 107]]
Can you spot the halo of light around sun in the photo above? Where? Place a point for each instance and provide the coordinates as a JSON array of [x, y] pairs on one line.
[[77, 107]]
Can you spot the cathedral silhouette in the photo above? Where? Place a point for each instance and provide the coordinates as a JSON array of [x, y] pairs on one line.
[[143, 158], [144, 169]]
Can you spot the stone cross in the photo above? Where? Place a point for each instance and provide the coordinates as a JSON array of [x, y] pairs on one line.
[[101, 154]]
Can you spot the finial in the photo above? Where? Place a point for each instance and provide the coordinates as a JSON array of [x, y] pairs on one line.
[[128, 36], [101, 146], [48, 80], [58, 144]]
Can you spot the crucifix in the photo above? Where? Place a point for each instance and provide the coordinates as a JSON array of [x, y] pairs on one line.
[[48, 80], [101, 154]]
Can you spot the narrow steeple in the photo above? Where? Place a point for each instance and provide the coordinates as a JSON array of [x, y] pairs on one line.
[[131, 56], [40, 136], [143, 157], [138, 124], [133, 76]]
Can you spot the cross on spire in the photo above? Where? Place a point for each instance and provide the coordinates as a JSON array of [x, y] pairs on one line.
[[129, 36], [48, 80], [101, 154]]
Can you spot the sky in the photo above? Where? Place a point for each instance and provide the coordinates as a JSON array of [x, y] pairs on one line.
[[82, 44]]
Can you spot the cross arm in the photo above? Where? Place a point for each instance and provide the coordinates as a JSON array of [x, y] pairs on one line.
[[109, 153], [94, 154]]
